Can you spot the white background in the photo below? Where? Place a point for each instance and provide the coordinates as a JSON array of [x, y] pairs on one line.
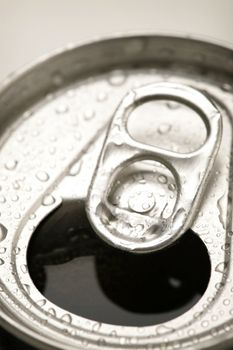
[[31, 28]]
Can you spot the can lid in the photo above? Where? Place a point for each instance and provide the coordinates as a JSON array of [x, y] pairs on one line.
[[64, 140]]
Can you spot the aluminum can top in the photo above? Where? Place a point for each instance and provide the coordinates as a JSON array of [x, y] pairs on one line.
[[135, 132]]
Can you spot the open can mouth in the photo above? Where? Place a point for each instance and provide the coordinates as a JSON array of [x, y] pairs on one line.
[[115, 197]]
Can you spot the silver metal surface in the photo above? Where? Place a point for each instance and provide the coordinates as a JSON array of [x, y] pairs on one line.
[[116, 223], [54, 118]]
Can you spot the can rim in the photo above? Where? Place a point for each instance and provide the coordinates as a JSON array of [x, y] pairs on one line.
[[25, 68]]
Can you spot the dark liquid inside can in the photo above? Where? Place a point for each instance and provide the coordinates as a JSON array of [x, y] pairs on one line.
[[76, 270]]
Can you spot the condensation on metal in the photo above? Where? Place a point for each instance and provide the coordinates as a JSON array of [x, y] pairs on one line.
[[53, 123], [116, 222]]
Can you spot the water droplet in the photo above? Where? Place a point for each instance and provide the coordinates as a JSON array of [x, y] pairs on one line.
[[141, 201], [214, 318], [117, 78], [102, 96], [162, 193], [35, 133], [75, 169], [2, 250], [17, 250], [52, 150], [172, 187], [32, 216], [48, 200], [11, 164], [85, 343], [62, 108], [205, 324], [27, 115], [221, 267], [52, 312], [20, 138], [219, 286], [162, 179], [89, 114], [24, 268], [14, 198], [71, 93], [53, 138], [226, 246], [142, 181], [3, 232], [226, 302], [67, 318], [2, 199], [208, 240], [227, 87], [1, 262], [41, 302], [172, 104], [114, 333], [42, 176], [28, 188], [101, 343], [161, 330], [164, 128], [16, 185], [3, 177]]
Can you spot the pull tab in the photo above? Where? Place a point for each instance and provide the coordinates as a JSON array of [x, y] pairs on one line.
[[116, 224]]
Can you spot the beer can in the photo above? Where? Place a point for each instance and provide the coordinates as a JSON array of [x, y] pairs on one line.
[[116, 197]]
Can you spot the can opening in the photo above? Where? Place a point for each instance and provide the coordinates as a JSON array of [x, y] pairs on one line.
[[76, 270]]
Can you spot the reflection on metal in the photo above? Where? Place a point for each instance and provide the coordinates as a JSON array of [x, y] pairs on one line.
[[54, 119], [116, 223]]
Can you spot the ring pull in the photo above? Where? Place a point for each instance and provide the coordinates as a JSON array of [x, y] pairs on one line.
[[117, 225]]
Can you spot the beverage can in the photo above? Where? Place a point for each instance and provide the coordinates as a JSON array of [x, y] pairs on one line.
[[116, 198]]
